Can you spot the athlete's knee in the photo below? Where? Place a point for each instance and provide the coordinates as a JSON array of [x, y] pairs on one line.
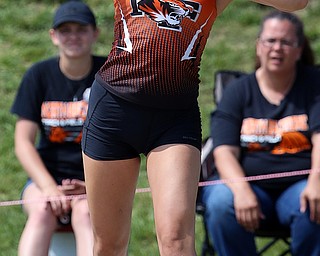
[[103, 247], [176, 245], [176, 240]]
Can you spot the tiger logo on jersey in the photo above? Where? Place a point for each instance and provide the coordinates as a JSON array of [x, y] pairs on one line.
[[167, 13]]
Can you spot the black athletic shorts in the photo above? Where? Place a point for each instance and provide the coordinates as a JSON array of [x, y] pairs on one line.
[[116, 129]]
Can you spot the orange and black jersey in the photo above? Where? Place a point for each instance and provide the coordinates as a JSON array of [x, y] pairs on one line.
[[155, 57]]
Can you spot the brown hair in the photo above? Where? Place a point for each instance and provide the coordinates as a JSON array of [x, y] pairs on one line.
[[307, 55]]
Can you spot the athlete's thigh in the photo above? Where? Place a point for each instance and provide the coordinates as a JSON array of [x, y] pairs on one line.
[[110, 189], [173, 172]]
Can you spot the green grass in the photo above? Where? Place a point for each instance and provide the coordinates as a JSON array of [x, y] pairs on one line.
[[24, 39]]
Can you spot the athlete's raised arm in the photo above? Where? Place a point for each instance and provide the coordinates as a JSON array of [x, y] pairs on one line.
[[283, 5]]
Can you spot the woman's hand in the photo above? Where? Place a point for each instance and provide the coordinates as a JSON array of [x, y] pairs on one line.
[[73, 187], [247, 209], [311, 197], [56, 198]]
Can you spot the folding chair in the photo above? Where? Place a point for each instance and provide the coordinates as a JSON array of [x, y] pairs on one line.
[[275, 232], [207, 167]]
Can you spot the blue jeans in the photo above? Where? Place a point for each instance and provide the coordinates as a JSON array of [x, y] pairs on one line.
[[231, 239]]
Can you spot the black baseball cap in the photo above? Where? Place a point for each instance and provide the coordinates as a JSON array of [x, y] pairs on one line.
[[73, 11]]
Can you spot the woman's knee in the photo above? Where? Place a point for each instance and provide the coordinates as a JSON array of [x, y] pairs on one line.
[[42, 217], [80, 213], [305, 236], [288, 203], [303, 227], [218, 202]]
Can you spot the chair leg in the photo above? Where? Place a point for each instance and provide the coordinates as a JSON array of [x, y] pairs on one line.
[[207, 247], [287, 251], [267, 246], [271, 243], [207, 250]]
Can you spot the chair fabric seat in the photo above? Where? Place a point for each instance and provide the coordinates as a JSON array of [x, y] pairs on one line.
[[63, 242]]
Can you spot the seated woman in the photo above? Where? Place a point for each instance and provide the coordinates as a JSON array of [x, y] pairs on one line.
[[52, 101], [268, 122]]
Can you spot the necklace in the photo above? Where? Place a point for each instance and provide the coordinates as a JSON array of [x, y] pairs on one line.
[[76, 84], [77, 88]]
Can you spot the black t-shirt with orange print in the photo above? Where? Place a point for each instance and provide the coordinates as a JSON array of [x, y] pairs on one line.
[[59, 106], [273, 138]]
